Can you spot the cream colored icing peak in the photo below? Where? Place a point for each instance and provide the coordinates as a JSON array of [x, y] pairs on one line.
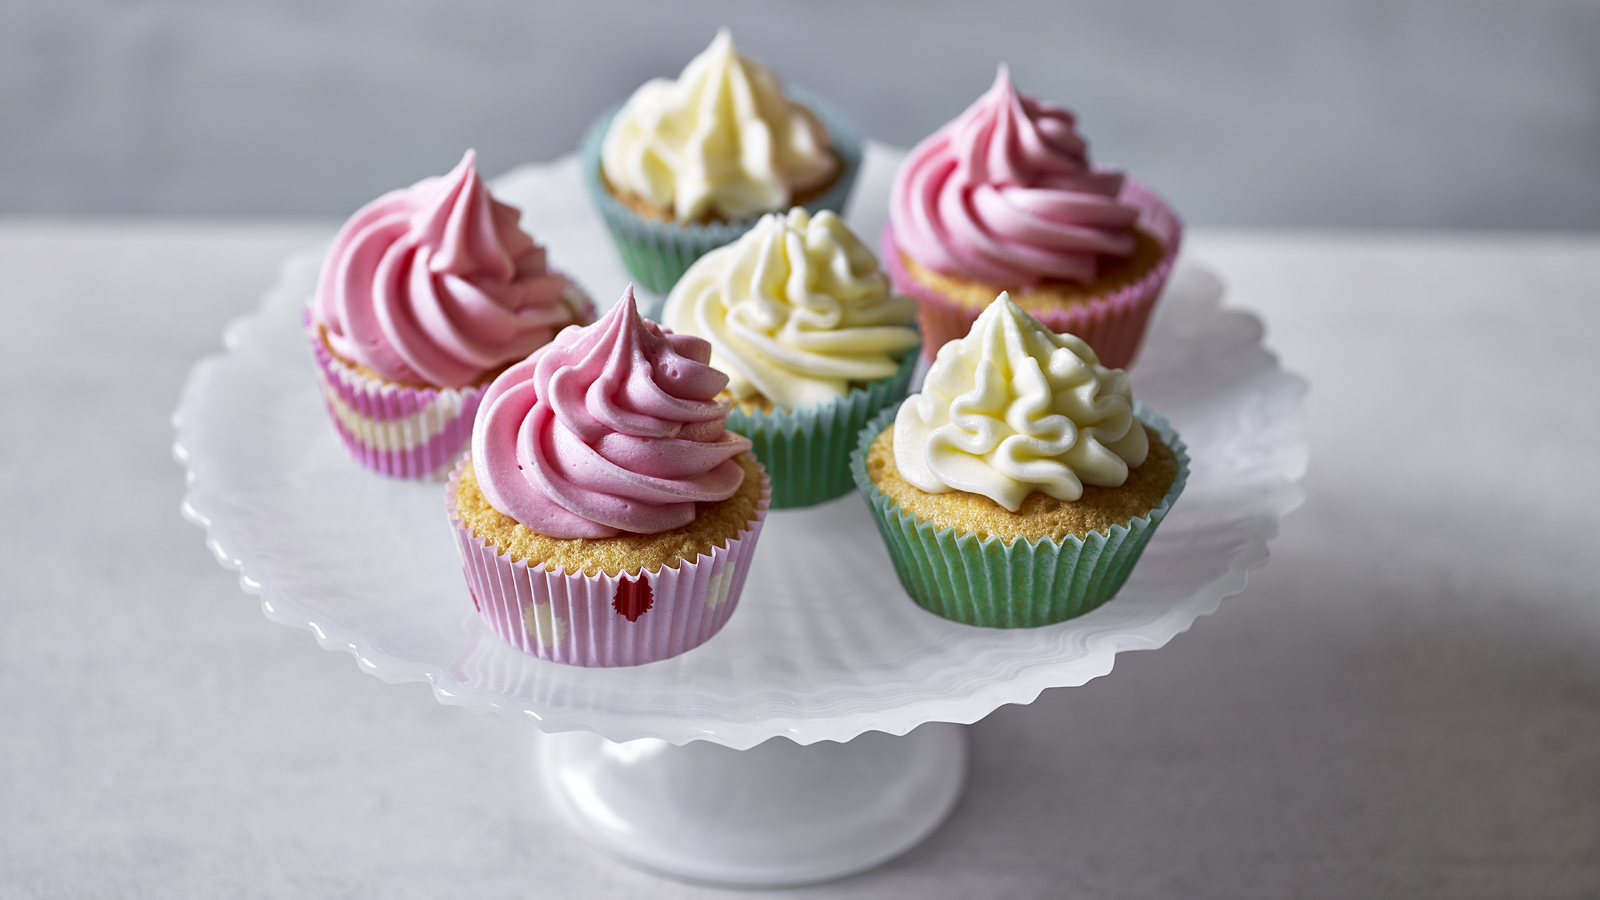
[[1014, 408], [721, 140], [795, 310]]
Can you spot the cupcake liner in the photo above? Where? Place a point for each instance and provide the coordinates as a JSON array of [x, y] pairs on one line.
[[658, 253], [807, 452], [1113, 323], [603, 620], [1023, 584], [396, 430], [399, 430]]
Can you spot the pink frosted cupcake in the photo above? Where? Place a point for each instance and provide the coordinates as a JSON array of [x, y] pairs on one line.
[[1004, 198], [606, 517], [426, 295]]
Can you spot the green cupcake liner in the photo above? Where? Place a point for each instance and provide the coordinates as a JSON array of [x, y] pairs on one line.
[[1018, 585], [658, 253], [807, 452]]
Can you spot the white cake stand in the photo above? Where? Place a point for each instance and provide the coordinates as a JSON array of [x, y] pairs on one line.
[[674, 766]]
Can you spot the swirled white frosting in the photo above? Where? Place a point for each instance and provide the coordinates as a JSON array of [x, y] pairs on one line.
[[795, 310], [720, 140], [1014, 408]]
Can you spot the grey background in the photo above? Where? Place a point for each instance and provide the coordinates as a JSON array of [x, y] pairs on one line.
[[1409, 113]]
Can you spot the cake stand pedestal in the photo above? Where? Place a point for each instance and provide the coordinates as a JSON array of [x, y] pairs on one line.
[[808, 739], [776, 815]]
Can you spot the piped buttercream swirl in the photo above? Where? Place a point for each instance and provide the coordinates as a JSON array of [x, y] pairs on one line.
[[1005, 195], [610, 428], [1014, 408], [722, 140], [436, 284], [795, 310]]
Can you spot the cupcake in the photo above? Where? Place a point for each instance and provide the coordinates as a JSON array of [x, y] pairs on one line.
[[1004, 198], [812, 339], [425, 296], [605, 516], [1020, 486], [686, 166]]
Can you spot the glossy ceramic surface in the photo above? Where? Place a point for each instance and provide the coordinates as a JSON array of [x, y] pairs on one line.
[[775, 815]]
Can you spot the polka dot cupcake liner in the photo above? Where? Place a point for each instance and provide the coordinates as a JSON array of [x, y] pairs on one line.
[[604, 620]]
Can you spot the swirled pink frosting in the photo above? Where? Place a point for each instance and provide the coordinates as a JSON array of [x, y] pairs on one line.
[[1005, 194], [610, 428], [436, 284]]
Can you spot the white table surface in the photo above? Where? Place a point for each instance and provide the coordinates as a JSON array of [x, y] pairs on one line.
[[1405, 703]]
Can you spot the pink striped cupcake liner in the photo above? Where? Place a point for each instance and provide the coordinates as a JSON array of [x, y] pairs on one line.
[[1113, 324], [404, 431], [400, 431], [604, 620]]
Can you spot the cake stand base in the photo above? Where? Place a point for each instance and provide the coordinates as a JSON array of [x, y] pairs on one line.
[[776, 815]]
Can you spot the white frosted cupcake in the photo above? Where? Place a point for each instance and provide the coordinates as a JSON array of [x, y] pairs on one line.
[[689, 164], [1021, 485], [812, 338]]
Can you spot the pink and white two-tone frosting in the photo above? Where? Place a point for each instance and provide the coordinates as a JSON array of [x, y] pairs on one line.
[[1005, 194], [613, 427], [424, 292], [436, 284]]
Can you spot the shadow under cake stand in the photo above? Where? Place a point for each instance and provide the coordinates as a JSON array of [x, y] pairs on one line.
[[820, 733]]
